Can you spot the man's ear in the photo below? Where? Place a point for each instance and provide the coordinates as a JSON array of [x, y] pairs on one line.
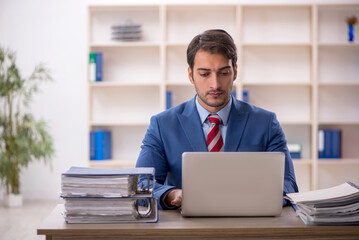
[[235, 73], [190, 75]]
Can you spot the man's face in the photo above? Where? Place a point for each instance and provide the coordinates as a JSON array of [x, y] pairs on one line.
[[213, 76]]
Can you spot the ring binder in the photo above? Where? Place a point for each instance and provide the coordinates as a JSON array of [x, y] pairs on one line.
[[95, 195]]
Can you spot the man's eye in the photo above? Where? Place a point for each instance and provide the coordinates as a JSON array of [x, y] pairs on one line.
[[204, 74], [225, 73]]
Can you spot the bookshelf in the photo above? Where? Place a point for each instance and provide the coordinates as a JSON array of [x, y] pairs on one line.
[[294, 60]]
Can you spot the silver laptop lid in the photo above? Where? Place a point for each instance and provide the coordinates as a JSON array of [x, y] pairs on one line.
[[232, 183]]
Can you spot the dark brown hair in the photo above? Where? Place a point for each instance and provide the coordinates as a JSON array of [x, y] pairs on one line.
[[213, 41]]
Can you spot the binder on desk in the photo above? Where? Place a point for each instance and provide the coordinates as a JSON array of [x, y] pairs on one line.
[[95, 195]]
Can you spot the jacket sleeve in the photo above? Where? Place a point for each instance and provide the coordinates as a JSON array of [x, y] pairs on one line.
[[278, 143], [153, 155]]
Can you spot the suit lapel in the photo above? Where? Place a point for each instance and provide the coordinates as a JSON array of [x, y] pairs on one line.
[[191, 125], [236, 125]]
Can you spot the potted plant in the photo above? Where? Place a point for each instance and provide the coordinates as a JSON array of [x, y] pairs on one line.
[[22, 138]]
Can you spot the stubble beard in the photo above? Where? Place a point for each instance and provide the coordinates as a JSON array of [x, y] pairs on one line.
[[205, 100]]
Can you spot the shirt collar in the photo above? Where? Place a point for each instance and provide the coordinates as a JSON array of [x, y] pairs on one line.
[[223, 113]]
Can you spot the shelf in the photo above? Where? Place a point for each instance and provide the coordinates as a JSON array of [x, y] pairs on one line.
[[131, 64], [129, 104], [339, 122], [276, 64], [283, 100], [122, 84], [301, 161], [339, 44], [340, 161], [119, 123], [338, 84], [339, 104], [177, 44], [124, 44], [179, 84], [177, 66], [276, 44], [332, 27], [276, 24], [125, 140], [294, 123], [113, 163], [181, 93], [293, 60], [280, 84], [337, 64], [196, 19], [102, 18]]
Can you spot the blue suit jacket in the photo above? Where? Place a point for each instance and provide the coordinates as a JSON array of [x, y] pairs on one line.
[[179, 129]]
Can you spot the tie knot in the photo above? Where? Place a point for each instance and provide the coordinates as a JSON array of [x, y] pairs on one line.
[[214, 118]]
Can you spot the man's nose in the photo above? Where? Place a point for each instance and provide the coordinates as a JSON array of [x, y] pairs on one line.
[[214, 82]]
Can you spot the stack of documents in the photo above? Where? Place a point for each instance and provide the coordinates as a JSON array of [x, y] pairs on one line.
[[331, 206], [127, 31], [94, 195]]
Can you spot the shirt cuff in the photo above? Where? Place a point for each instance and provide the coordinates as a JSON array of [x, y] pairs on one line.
[[163, 202]]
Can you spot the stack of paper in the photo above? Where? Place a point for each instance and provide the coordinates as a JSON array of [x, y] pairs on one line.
[[94, 195], [331, 206], [127, 31], [99, 186]]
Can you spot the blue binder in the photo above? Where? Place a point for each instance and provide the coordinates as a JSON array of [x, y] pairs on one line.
[[99, 70], [100, 145], [329, 143]]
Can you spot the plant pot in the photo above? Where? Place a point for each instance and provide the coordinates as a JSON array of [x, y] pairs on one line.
[[12, 200]]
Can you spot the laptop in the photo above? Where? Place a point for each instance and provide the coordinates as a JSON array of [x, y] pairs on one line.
[[232, 184]]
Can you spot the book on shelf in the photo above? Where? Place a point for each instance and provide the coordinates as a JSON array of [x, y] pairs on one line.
[[168, 99], [337, 205], [234, 94], [295, 150], [245, 96], [100, 145], [329, 143], [96, 195], [95, 67], [92, 67], [98, 67]]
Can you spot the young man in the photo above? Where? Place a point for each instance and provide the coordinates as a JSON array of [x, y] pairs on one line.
[[211, 121]]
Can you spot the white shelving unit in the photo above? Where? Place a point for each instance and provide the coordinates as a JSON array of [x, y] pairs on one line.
[[293, 59], [338, 91]]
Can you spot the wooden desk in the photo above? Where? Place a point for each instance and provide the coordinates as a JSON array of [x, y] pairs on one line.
[[172, 225]]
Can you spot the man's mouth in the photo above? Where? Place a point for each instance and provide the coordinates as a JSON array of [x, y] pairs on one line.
[[215, 94]]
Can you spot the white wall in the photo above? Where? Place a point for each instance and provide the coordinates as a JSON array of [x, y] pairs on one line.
[[55, 32]]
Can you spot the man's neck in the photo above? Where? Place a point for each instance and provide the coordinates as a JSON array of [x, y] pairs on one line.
[[212, 109]]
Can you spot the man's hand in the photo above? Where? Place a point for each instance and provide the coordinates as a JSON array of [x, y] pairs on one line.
[[174, 197]]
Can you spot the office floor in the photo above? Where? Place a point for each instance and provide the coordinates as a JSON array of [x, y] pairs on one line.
[[22, 222]]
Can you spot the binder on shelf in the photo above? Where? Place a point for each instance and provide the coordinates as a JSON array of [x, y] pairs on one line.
[[295, 150], [329, 143], [92, 67], [99, 67], [245, 96], [168, 99], [100, 145], [234, 94], [96, 195], [95, 67], [336, 144]]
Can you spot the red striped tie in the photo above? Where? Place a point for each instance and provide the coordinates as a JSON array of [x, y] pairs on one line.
[[214, 138]]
